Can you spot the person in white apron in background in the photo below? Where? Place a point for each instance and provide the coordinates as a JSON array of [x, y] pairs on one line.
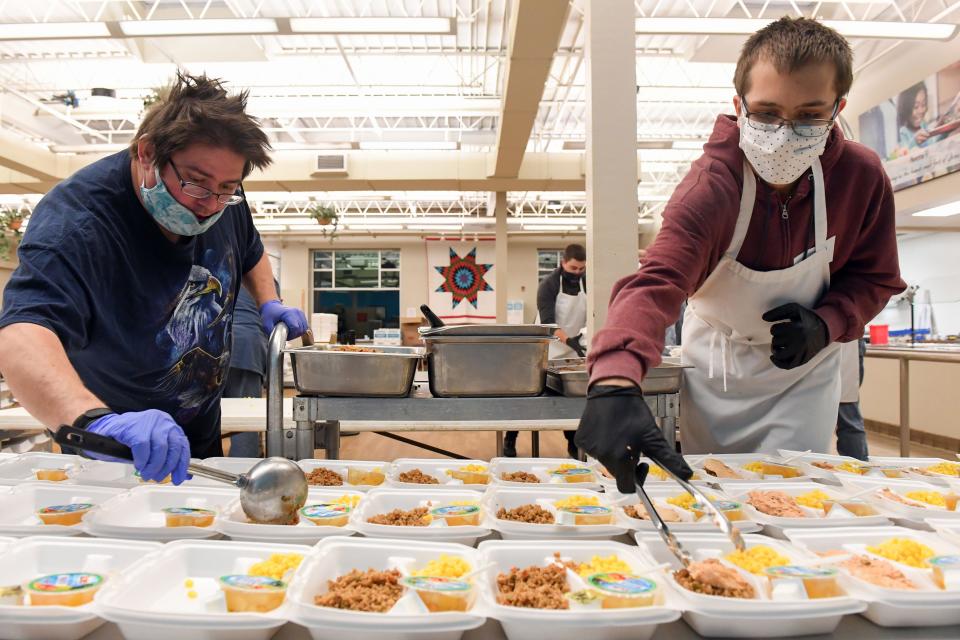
[[779, 271], [562, 300]]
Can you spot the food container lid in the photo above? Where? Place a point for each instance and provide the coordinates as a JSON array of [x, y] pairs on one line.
[[945, 562], [436, 583], [455, 510], [188, 511], [622, 584], [65, 582], [66, 508], [795, 571], [588, 510], [578, 471], [723, 505], [252, 583], [325, 510]]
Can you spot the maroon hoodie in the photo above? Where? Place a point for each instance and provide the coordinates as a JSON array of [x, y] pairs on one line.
[[698, 225]]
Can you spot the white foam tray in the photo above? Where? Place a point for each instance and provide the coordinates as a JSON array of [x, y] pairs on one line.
[[41, 555], [815, 517], [533, 624], [409, 619], [18, 508], [929, 606], [539, 467], [510, 498], [659, 492], [736, 461], [436, 468], [23, 468], [234, 524], [137, 514], [610, 484], [342, 466], [119, 474], [381, 501], [896, 509], [150, 601]]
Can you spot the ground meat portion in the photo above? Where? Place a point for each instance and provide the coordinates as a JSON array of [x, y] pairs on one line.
[[639, 512], [775, 503], [534, 588], [532, 513], [713, 578], [520, 476], [416, 476], [369, 590], [823, 464], [321, 477], [398, 517]]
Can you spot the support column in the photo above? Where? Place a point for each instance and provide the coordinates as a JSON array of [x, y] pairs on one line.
[[498, 203], [612, 229]]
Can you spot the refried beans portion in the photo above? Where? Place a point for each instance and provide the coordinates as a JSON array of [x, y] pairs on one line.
[[370, 590], [321, 477], [520, 476], [416, 476], [534, 588], [398, 517], [713, 578], [531, 513]]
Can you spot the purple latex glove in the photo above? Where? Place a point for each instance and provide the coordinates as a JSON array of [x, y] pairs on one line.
[[274, 311], [159, 445]]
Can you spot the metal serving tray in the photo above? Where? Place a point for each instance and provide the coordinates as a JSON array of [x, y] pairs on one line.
[[501, 330], [323, 370], [570, 378], [487, 366]]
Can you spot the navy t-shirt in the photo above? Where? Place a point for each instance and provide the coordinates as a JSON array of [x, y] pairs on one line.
[[145, 322]]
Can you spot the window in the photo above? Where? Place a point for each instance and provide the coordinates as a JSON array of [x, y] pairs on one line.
[[374, 269], [361, 287], [547, 261]]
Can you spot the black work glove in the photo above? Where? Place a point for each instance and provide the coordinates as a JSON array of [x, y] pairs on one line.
[[617, 428], [798, 335], [574, 343]]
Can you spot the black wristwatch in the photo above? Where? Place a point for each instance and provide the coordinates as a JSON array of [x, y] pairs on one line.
[[89, 416]]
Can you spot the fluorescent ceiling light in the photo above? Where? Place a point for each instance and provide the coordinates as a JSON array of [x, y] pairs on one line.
[[943, 211], [391, 145], [424, 26], [44, 30], [747, 26], [542, 227], [218, 26]]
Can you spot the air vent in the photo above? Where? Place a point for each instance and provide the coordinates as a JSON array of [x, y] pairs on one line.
[[331, 164]]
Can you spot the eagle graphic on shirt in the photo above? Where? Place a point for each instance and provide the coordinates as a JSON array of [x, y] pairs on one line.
[[197, 337]]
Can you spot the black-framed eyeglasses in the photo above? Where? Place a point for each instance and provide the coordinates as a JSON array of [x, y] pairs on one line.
[[200, 192], [806, 127]]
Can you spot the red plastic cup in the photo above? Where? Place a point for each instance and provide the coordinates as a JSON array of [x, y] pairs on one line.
[[879, 334]]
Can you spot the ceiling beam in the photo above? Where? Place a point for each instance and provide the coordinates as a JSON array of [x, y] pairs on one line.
[[535, 30], [29, 159]]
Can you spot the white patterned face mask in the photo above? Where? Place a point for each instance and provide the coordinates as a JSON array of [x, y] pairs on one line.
[[777, 153]]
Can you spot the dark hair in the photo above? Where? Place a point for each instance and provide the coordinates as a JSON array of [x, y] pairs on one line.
[[905, 105], [575, 252], [196, 110], [792, 43]]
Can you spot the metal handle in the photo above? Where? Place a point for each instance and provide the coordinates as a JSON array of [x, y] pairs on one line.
[[672, 543], [432, 318], [216, 474], [278, 342], [92, 442], [722, 522]]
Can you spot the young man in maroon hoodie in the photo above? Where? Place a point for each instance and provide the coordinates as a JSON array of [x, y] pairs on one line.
[[782, 236]]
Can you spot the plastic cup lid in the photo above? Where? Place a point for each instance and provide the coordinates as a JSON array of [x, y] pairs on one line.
[[945, 562], [325, 510], [455, 510], [794, 571], [588, 510], [436, 583], [252, 583], [66, 508], [65, 582], [188, 511], [623, 584]]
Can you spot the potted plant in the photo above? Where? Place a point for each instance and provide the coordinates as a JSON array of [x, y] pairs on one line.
[[10, 224], [327, 217]]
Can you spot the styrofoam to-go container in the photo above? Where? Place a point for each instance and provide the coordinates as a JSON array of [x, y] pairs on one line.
[[660, 492], [230, 465], [138, 513], [124, 475], [843, 467], [18, 508], [152, 600], [521, 623], [41, 555], [838, 517], [511, 498], [737, 462], [381, 501], [408, 620], [655, 476], [343, 467], [895, 508], [24, 467], [234, 524], [6, 455], [541, 468], [948, 529], [761, 617], [926, 607], [439, 469]]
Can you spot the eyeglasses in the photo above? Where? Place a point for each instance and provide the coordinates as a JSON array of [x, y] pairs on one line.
[[200, 192], [806, 127]]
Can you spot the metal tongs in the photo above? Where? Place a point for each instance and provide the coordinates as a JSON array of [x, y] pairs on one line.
[[671, 540]]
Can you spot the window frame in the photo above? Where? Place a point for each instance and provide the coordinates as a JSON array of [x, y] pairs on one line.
[[332, 270]]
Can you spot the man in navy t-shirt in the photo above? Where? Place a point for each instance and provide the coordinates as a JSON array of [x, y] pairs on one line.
[[119, 318]]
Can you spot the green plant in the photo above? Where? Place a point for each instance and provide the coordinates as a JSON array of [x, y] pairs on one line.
[[327, 217], [10, 225]]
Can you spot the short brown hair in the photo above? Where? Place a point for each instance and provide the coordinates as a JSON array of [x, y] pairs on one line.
[[196, 110], [575, 252], [792, 43]]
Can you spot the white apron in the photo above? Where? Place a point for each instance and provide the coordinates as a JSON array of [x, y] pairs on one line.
[[571, 314], [734, 399], [850, 372]]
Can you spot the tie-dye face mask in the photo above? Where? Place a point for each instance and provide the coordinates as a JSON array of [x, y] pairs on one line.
[[170, 214]]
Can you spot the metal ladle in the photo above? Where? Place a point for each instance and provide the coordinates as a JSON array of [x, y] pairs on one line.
[[270, 493]]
